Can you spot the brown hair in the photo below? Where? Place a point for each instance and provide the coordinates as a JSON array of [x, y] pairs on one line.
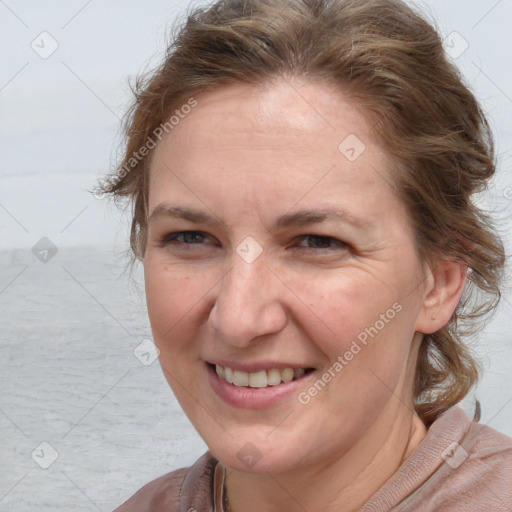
[[391, 61]]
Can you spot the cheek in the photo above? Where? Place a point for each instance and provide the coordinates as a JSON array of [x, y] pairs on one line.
[[344, 307], [362, 326], [173, 299]]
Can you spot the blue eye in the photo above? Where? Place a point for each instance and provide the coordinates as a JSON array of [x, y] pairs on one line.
[[320, 242], [190, 238], [185, 237]]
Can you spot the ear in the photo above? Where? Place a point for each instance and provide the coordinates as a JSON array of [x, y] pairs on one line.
[[443, 290]]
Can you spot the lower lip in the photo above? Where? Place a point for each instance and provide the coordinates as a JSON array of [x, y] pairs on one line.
[[254, 398]]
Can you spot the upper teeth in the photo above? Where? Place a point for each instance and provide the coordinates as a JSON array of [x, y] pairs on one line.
[[260, 379]]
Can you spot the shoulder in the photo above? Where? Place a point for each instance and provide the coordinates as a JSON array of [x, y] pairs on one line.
[[480, 468], [460, 466], [180, 490], [475, 467]]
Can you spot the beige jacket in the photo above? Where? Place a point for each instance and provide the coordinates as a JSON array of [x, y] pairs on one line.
[[460, 466]]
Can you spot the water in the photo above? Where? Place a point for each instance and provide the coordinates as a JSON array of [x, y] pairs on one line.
[[69, 378]]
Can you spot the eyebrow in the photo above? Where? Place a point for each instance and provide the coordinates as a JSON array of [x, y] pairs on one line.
[[297, 218], [190, 214]]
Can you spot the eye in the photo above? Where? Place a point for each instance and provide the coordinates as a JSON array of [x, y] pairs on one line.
[[185, 238], [321, 242], [190, 238]]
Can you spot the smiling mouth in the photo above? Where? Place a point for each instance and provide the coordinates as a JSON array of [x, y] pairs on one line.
[[260, 379]]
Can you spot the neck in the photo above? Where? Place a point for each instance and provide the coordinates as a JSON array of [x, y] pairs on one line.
[[345, 482]]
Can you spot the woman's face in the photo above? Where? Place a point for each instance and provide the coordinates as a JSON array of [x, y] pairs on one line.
[[277, 249]]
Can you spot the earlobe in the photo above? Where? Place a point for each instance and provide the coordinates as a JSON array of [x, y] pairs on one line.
[[442, 295]]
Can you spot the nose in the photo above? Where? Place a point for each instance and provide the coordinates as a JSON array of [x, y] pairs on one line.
[[248, 304]]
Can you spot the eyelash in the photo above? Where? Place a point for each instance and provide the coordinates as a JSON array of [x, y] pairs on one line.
[[172, 237]]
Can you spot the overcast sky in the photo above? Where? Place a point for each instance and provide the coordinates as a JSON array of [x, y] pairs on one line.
[[59, 115]]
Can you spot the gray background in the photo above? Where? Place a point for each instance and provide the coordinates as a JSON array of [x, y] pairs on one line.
[[70, 327]]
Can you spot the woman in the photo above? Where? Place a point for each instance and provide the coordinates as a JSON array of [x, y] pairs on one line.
[[302, 175]]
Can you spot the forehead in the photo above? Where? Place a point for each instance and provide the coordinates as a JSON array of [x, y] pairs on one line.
[[284, 108], [285, 141]]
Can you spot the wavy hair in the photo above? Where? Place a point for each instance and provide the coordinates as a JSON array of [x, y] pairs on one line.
[[390, 60]]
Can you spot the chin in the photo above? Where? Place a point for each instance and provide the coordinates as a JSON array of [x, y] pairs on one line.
[[251, 459], [254, 450]]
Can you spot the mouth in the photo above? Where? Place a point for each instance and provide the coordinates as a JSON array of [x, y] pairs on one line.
[[260, 379]]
